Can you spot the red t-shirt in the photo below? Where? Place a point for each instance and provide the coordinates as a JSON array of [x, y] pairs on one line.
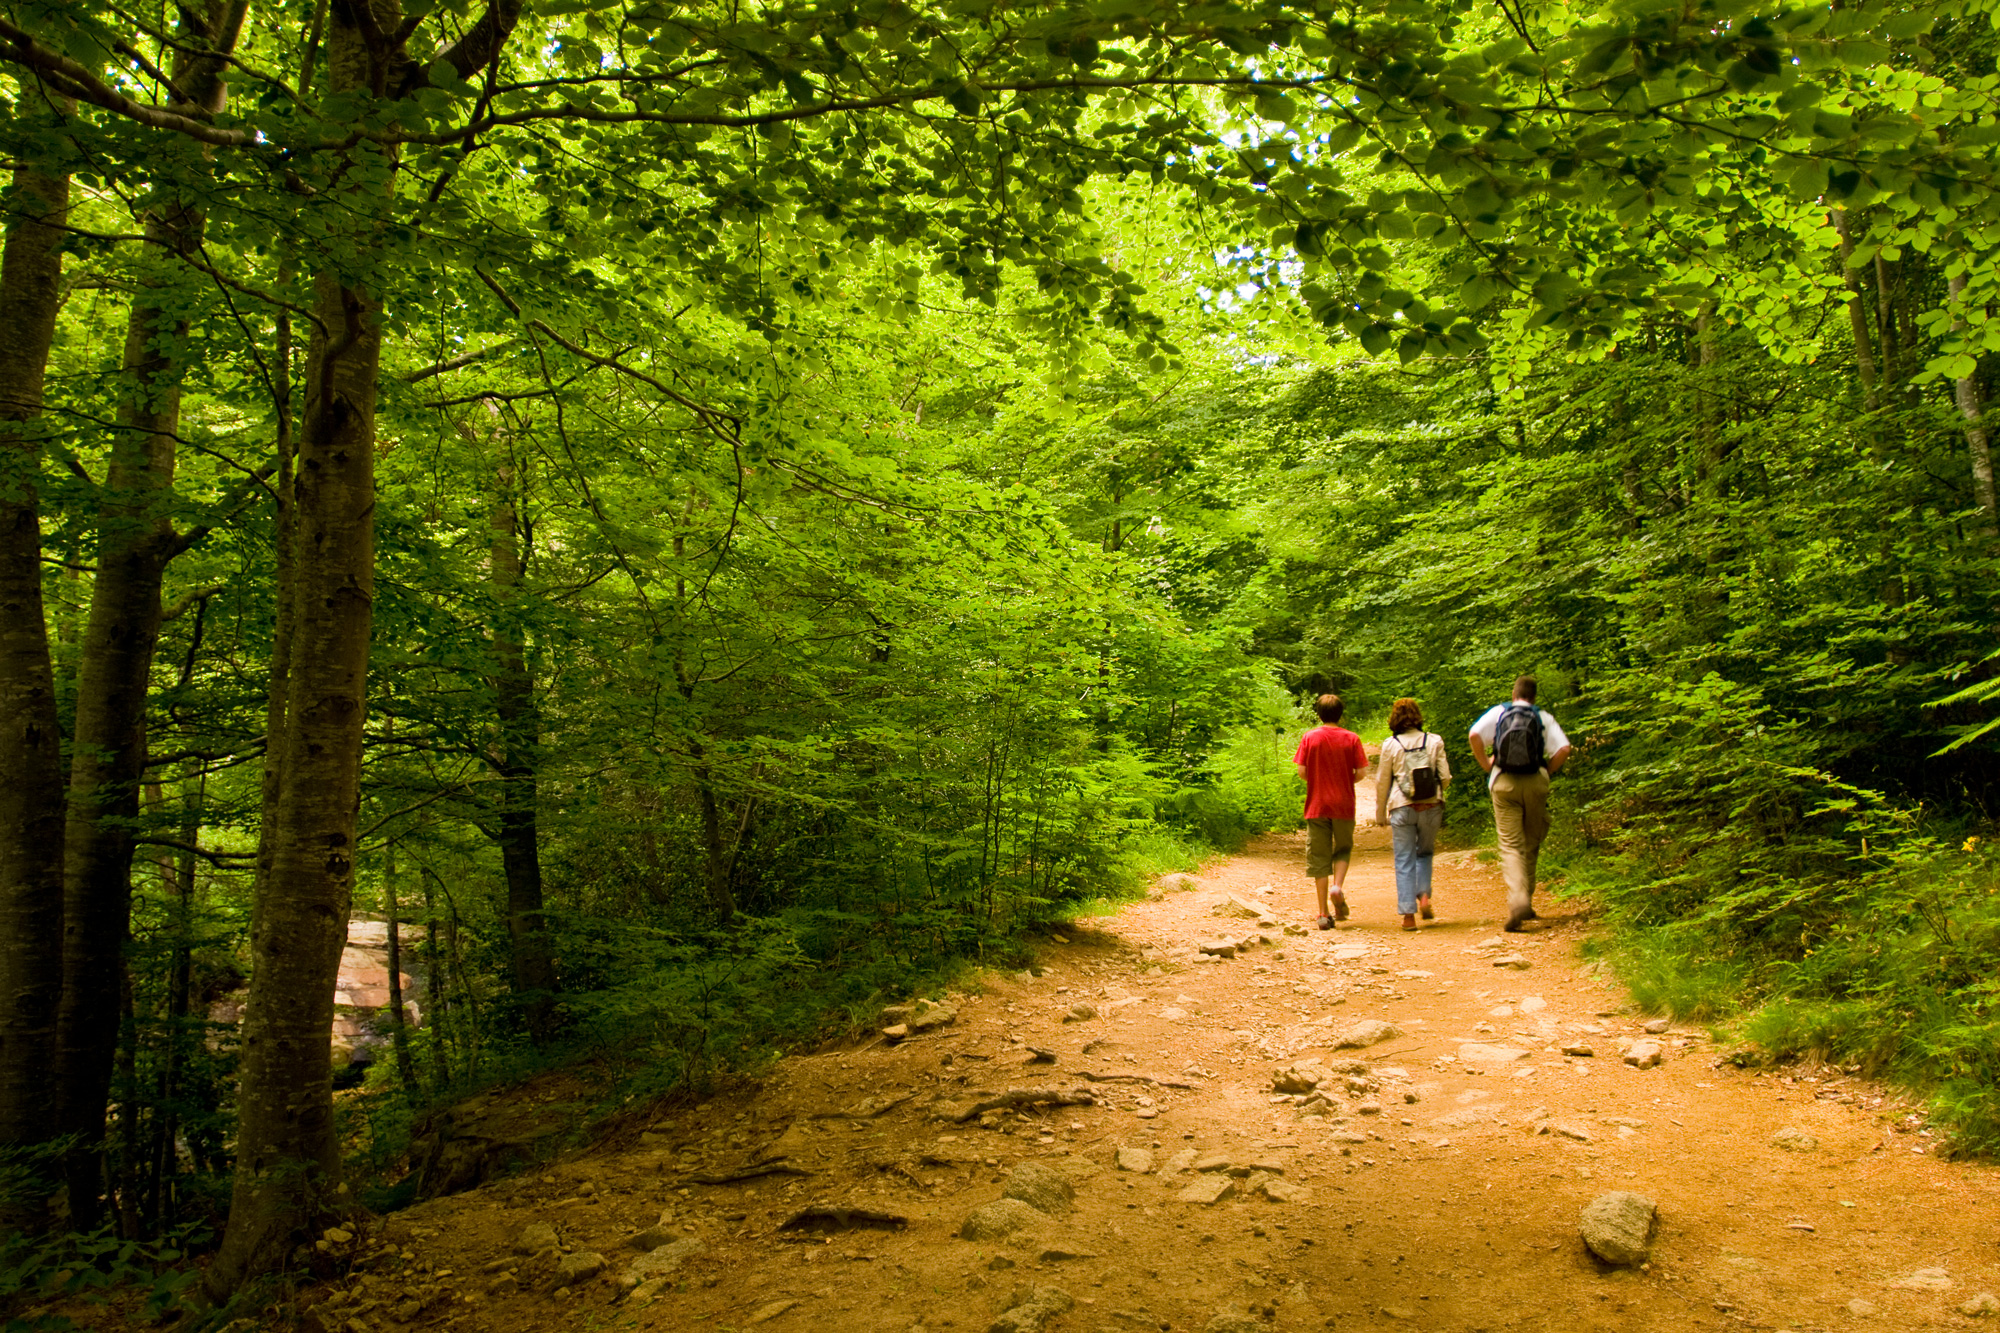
[[1330, 755]]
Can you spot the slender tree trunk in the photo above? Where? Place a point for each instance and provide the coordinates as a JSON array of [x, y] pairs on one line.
[[518, 756], [180, 977], [399, 1029], [31, 791], [1857, 317], [135, 542], [434, 992], [1978, 443]]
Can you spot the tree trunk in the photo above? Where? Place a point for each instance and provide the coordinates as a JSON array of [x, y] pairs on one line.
[[135, 540], [31, 791], [1978, 444], [516, 760], [1857, 317], [399, 1028]]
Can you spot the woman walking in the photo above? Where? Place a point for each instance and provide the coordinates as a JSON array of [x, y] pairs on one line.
[[1409, 797]]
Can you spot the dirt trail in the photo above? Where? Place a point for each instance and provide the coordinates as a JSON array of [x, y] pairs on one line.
[[1453, 1208]]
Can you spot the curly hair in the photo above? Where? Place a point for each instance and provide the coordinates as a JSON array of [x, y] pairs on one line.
[[1404, 715]]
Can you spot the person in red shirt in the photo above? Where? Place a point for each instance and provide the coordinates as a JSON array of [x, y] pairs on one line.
[[1331, 759]]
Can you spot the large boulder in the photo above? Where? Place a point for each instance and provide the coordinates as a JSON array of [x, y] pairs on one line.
[[1618, 1227]]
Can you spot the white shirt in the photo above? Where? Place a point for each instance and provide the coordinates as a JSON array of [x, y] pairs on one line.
[[1489, 721]]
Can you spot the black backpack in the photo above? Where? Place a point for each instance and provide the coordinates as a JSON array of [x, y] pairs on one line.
[[1517, 739], [1420, 782]]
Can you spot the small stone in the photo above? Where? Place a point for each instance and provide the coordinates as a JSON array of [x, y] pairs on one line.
[[1000, 1219], [1226, 1322], [1180, 1161], [1368, 1108], [1298, 1079], [1279, 1190], [652, 1238], [1058, 1253], [1136, 1160], [646, 1291], [666, 1259], [1569, 1131], [1857, 1306], [1643, 1055], [1512, 961], [1213, 1162], [504, 1285], [1925, 1279], [1218, 948], [765, 1314], [1368, 1032], [1040, 1187], [1533, 1004], [1080, 1013], [1985, 1303], [1397, 1312], [895, 1032], [576, 1269], [1581, 1050], [1031, 1309], [1618, 1227], [1793, 1139], [894, 1014], [1484, 1053], [535, 1237], [1209, 1189], [1658, 1025]]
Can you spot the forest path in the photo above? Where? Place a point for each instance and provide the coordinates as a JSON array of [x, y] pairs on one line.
[[1454, 1207]]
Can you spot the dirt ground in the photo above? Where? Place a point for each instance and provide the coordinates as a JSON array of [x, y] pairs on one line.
[[1454, 1206]]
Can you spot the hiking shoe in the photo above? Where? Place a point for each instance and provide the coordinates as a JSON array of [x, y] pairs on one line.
[[1424, 908], [1513, 926], [1326, 923], [1409, 921], [1340, 907]]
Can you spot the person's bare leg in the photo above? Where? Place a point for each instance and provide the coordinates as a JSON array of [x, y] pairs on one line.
[[1339, 891], [1320, 885]]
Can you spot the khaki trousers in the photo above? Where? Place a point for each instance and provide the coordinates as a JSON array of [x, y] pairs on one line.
[[1520, 821]]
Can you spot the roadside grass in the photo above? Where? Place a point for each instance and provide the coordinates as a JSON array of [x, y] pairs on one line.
[[1888, 962]]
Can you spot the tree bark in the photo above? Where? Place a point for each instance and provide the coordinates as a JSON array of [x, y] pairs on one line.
[[516, 760], [287, 1159], [31, 792], [1857, 317], [1978, 443], [399, 1027], [135, 541]]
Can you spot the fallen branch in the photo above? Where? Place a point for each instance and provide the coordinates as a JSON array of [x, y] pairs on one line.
[[1131, 1078], [1025, 1097], [778, 1168]]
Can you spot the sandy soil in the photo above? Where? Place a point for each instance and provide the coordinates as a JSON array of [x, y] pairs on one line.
[[1453, 1208]]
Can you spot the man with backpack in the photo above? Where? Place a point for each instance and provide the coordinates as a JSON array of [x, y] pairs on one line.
[[1521, 747], [1331, 759]]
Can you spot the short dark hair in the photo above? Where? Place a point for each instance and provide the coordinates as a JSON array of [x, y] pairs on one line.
[[1524, 688], [1404, 715], [1329, 707]]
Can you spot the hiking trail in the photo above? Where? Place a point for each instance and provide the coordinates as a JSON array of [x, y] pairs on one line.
[[1442, 1193]]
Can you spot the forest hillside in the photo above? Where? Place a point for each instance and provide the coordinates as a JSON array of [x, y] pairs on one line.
[[596, 545]]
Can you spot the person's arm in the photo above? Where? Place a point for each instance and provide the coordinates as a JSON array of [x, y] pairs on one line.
[[1443, 765], [1557, 760], [1383, 780], [1479, 755]]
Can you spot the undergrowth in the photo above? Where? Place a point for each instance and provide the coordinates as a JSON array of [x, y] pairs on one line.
[[1885, 961]]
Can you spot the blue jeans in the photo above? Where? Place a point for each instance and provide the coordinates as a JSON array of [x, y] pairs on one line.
[[1414, 833]]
